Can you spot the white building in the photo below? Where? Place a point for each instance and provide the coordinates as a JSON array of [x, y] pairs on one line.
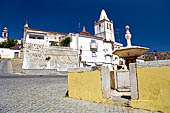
[[92, 50], [97, 49], [9, 53], [46, 38]]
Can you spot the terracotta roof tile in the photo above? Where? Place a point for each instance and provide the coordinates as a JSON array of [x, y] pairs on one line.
[[88, 34], [48, 31], [16, 47]]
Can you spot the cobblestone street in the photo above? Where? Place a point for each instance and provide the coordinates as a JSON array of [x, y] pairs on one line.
[[45, 94]]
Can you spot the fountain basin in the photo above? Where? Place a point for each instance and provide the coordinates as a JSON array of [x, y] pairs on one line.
[[130, 52]]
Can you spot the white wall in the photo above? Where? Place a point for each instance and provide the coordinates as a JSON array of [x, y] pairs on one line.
[[48, 36], [8, 53], [103, 53], [2, 39]]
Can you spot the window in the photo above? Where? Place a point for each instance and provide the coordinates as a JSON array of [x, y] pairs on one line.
[[110, 27], [5, 34], [121, 62], [32, 37], [93, 41], [16, 54], [99, 26], [93, 45], [107, 26], [41, 37], [59, 38]]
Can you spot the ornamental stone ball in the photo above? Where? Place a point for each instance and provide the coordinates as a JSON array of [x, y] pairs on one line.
[[127, 27]]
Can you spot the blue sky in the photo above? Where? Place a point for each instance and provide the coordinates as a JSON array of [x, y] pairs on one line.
[[149, 20]]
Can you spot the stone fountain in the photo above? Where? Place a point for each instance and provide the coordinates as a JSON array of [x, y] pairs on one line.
[[130, 53]]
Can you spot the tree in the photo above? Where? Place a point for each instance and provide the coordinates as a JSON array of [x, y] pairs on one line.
[[54, 44], [8, 43], [66, 41]]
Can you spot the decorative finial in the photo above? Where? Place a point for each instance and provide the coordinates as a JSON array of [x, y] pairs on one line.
[[26, 25], [127, 27], [128, 36], [5, 28]]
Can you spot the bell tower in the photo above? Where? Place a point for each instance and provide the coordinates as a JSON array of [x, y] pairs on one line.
[[104, 27], [5, 33]]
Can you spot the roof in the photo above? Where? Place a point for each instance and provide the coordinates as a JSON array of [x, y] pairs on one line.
[[16, 47], [102, 21], [159, 55], [88, 34], [103, 15], [117, 43], [47, 31], [74, 33]]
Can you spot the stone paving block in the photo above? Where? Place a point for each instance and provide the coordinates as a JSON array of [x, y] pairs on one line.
[[45, 95]]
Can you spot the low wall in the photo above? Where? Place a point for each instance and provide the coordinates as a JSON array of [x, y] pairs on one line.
[[92, 84], [153, 86], [85, 85], [43, 72]]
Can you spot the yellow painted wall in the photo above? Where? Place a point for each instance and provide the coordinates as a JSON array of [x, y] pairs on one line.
[[154, 89], [5, 56], [85, 85]]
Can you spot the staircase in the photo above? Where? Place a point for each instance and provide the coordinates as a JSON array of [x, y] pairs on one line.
[[17, 64]]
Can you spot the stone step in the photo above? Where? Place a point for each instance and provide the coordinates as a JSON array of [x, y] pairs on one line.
[[17, 65]]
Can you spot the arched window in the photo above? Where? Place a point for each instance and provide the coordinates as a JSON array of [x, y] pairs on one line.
[[107, 26], [99, 26], [5, 34]]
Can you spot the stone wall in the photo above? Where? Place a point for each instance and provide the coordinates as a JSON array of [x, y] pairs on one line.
[[38, 58], [90, 83], [158, 63]]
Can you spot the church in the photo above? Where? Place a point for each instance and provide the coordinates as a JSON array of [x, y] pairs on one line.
[[97, 49]]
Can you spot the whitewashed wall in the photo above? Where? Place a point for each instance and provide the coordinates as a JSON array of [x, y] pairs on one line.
[[8, 53]]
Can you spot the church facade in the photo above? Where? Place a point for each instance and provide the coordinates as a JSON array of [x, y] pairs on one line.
[[97, 49]]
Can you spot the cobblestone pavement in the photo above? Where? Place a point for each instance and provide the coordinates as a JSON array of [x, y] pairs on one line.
[[44, 94]]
